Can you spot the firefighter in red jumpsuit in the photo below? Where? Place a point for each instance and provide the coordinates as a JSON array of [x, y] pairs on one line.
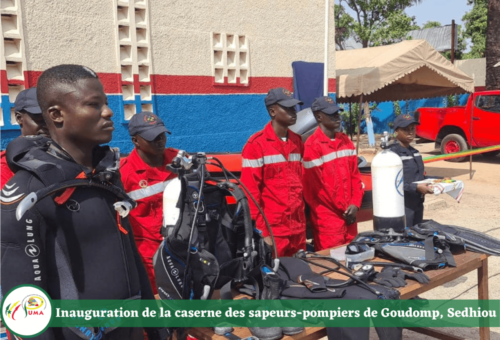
[[145, 176], [332, 182], [272, 171], [29, 117]]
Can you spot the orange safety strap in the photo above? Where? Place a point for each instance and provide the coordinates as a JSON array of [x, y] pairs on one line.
[[69, 191], [118, 220]]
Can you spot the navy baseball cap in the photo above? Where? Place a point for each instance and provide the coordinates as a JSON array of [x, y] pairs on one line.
[[403, 121], [326, 105], [282, 97], [147, 125], [26, 101]]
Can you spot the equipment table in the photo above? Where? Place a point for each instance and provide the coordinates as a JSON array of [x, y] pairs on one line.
[[466, 263]]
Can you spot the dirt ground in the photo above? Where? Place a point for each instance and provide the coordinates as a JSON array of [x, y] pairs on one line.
[[478, 209]]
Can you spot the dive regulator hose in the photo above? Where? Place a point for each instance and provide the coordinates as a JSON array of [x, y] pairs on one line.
[[225, 171]]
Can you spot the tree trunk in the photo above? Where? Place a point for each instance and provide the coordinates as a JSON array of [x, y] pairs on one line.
[[492, 52]]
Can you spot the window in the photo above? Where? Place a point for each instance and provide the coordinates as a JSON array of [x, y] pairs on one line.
[[13, 61], [230, 59], [134, 52], [489, 103]]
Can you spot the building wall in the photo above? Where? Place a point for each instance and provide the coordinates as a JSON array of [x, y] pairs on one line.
[[170, 47]]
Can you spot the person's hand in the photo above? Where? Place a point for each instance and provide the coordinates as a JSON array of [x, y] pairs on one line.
[[424, 188], [350, 214]]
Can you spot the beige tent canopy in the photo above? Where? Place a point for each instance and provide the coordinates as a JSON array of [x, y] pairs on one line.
[[411, 69]]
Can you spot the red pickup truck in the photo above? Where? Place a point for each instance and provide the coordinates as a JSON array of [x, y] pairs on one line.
[[450, 127]]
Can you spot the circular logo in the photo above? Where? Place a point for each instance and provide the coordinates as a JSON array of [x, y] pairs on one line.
[[150, 119], [143, 183], [32, 250], [73, 205], [175, 272], [26, 310], [400, 183]]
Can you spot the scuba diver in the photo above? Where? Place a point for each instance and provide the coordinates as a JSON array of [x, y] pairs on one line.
[[272, 171], [64, 193], [413, 169], [145, 175], [332, 182], [29, 117]]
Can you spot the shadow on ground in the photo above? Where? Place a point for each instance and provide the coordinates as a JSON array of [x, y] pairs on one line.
[[445, 172]]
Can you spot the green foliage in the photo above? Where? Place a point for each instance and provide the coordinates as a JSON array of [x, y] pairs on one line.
[[343, 25], [397, 112], [451, 100], [476, 23], [395, 29], [376, 22], [350, 119], [431, 24]]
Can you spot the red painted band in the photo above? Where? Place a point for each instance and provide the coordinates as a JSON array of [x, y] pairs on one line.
[[173, 84]]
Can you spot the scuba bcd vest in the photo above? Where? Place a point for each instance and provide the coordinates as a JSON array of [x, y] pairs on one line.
[[207, 243], [421, 250]]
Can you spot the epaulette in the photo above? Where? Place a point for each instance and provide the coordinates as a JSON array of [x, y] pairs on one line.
[[255, 136]]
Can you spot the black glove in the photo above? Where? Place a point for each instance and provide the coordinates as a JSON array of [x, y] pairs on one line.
[[390, 277], [419, 277]]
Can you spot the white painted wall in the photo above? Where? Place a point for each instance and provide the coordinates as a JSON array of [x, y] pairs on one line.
[[70, 31], [279, 32]]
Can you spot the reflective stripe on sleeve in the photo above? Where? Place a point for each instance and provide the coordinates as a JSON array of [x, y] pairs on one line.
[[252, 163], [406, 158], [417, 154], [329, 157], [148, 191]]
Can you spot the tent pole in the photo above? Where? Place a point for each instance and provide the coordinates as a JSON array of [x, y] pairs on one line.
[[325, 71], [471, 129], [359, 123], [350, 119]]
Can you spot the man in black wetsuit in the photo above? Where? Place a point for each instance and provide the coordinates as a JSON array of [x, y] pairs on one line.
[[73, 244]]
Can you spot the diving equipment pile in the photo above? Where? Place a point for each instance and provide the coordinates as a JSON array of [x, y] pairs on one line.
[[427, 245], [206, 244]]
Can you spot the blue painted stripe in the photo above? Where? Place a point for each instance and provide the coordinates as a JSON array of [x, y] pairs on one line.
[[211, 123]]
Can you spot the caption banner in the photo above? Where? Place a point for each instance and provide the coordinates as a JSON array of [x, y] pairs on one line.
[[276, 313]]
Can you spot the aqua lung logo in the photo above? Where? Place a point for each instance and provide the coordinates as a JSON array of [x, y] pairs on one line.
[[26, 310], [399, 183], [32, 250]]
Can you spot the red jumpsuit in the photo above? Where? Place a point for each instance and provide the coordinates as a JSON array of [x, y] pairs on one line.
[[272, 172], [332, 183], [5, 172], [145, 185]]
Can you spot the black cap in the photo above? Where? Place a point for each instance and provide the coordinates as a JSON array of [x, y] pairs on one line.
[[282, 97], [326, 105], [403, 121], [26, 101], [147, 125]]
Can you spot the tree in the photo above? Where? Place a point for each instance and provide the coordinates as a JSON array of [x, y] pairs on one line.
[[431, 24], [376, 22], [493, 46], [343, 26], [475, 28]]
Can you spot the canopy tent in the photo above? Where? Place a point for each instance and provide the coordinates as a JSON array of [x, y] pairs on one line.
[[411, 69]]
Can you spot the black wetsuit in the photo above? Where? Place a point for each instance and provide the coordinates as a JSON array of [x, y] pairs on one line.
[[73, 248], [413, 170]]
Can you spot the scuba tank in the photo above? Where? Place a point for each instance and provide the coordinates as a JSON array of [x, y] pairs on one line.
[[388, 190]]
